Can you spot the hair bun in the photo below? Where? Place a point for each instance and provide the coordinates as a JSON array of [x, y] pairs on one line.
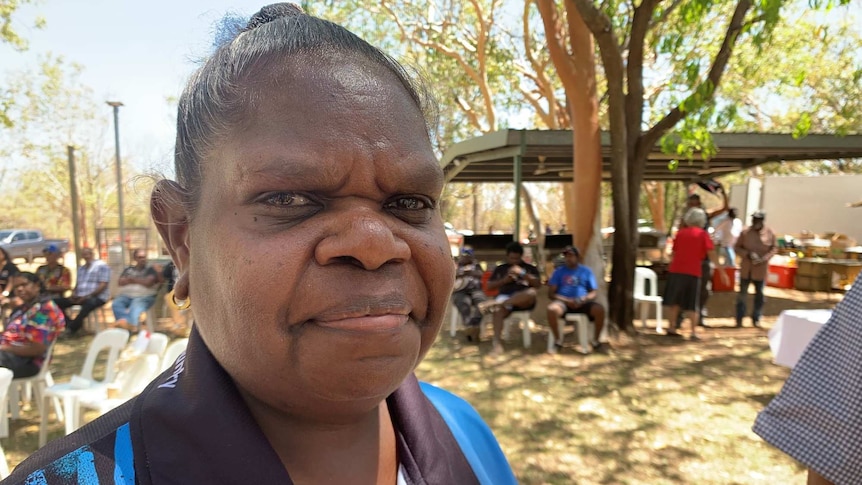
[[274, 12]]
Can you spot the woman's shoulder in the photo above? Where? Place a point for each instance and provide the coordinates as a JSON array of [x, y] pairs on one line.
[[475, 438], [93, 454]]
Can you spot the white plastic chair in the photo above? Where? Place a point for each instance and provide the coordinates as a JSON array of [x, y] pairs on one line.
[[23, 389], [173, 351], [129, 384], [113, 340], [158, 343], [642, 275], [5, 383], [585, 329], [454, 319], [519, 318]]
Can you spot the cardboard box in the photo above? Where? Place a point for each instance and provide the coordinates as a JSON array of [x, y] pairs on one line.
[[844, 273], [780, 277], [814, 283]]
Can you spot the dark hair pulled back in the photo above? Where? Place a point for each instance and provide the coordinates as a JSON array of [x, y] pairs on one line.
[[32, 278], [217, 95]]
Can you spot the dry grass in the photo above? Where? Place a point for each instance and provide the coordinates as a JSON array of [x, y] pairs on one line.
[[656, 410]]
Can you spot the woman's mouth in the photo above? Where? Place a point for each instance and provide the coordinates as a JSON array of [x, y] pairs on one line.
[[366, 323]]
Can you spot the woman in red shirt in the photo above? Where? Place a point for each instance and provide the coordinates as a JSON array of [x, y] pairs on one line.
[[691, 245]]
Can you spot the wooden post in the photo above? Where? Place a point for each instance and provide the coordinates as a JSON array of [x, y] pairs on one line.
[[73, 192]]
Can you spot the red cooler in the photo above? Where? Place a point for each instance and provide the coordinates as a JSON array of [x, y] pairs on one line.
[[717, 284], [780, 276]]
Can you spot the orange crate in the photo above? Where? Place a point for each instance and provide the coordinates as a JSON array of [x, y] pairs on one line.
[[780, 276], [485, 277]]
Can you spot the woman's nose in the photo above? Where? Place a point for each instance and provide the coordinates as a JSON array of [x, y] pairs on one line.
[[364, 238]]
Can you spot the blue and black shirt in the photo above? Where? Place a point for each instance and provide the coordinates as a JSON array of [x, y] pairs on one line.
[[190, 426]]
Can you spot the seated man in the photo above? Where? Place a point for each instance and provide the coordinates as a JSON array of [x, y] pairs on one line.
[[467, 293], [573, 289], [56, 278], [91, 291], [136, 292], [517, 282]]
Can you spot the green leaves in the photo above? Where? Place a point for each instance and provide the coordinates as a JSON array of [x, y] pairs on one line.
[[8, 34], [803, 126]]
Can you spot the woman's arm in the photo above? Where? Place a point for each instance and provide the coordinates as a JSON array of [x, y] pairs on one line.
[[724, 205], [25, 349]]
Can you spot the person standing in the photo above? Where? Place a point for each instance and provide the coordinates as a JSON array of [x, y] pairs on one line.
[[31, 329], [755, 246], [56, 278], [136, 292], [91, 291], [727, 231], [573, 289], [692, 202], [690, 247]]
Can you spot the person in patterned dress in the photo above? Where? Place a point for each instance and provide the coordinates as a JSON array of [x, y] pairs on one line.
[[31, 328]]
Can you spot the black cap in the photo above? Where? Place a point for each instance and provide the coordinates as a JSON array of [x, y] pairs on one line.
[[572, 249]]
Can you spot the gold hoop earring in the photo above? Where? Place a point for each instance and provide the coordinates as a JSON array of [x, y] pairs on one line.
[[181, 304]]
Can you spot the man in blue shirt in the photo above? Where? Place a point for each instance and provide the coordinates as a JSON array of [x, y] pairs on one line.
[[573, 289]]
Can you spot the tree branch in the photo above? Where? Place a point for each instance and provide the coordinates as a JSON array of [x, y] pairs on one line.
[[544, 115], [706, 89], [554, 38], [470, 113], [634, 67], [666, 13]]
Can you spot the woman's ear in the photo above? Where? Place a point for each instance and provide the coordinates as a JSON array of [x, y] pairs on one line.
[[168, 207]]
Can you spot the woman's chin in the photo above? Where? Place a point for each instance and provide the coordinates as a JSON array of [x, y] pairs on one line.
[[366, 381]]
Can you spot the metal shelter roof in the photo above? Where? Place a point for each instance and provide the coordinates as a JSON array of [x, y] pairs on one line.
[[490, 157]]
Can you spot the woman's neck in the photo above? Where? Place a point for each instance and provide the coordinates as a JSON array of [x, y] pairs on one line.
[[27, 304], [360, 451]]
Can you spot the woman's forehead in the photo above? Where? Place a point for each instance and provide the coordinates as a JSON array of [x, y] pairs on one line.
[[329, 115]]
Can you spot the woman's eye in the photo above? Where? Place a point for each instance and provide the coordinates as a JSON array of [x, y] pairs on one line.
[[411, 203], [286, 199]]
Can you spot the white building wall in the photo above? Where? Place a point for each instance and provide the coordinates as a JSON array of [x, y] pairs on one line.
[[815, 203]]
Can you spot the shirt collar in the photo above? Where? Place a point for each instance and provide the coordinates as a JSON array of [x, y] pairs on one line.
[[192, 426]]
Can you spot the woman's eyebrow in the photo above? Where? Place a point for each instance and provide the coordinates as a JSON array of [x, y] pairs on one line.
[[294, 170]]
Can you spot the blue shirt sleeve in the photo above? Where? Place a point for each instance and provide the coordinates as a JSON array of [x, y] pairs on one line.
[[476, 440]]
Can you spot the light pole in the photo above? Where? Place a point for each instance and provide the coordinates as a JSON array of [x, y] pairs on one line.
[[116, 105]]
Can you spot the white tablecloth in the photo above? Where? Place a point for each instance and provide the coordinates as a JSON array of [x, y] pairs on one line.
[[792, 332]]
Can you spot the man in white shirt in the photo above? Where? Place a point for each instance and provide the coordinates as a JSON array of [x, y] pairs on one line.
[[728, 227]]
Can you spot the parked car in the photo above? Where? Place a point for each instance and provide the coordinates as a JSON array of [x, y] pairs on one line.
[[28, 243]]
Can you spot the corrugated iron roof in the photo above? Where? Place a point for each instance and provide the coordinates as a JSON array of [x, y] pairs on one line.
[[547, 155]]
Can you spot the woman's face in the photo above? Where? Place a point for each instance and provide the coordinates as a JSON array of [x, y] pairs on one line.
[[319, 266], [25, 289]]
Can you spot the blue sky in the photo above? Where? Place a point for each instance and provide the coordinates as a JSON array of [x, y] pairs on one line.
[[139, 53]]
